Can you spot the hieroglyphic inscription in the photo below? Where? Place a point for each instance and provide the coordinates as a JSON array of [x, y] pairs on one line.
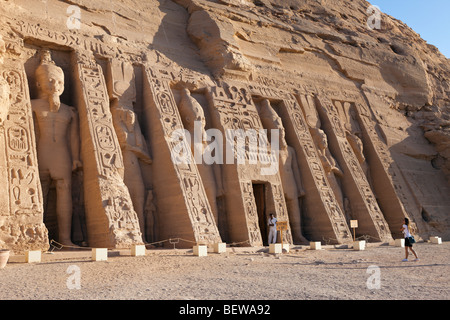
[[106, 169], [22, 210], [37, 31], [281, 210], [25, 193], [235, 111], [251, 214], [200, 213], [108, 150], [364, 198]]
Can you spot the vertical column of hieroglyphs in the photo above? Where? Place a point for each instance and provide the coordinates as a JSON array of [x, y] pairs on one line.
[[235, 110], [325, 219], [281, 210], [392, 191], [21, 216], [186, 195], [111, 219], [364, 206]]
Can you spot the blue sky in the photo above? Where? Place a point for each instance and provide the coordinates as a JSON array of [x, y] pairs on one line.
[[429, 18]]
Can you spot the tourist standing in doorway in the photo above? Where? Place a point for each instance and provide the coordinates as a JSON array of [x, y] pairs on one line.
[[408, 240], [272, 222]]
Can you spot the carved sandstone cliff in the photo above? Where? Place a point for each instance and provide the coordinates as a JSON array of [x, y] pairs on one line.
[[364, 116]]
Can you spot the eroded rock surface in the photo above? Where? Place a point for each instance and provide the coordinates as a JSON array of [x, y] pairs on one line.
[[364, 114]]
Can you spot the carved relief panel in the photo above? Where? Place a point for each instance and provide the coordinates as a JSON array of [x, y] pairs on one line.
[[22, 226], [103, 165]]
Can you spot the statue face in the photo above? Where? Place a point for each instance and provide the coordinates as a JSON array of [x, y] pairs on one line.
[[323, 143], [130, 118], [279, 125], [199, 116], [52, 83], [196, 113]]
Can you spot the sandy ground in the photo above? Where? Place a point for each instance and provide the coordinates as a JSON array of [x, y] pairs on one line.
[[239, 274]]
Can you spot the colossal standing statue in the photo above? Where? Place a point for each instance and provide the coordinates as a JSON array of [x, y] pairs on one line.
[[122, 87], [57, 141], [193, 115], [332, 170], [133, 150]]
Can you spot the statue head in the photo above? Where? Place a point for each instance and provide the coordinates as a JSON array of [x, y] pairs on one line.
[[129, 118], [126, 116], [322, 140], [191, 110], [50, 81], [271, 120]]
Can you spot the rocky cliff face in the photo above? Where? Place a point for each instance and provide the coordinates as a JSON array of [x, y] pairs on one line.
[[330, 42], [365, 107]]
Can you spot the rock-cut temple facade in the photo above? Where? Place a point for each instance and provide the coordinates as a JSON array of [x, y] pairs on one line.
[[120, 123]]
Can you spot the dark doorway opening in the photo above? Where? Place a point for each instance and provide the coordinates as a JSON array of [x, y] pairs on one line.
[[259, 192]]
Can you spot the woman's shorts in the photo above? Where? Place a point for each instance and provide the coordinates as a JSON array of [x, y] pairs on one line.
[[407, 243]]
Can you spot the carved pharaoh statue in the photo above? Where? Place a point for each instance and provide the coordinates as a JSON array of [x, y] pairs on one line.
[[332, 170], [4, 88], [289, 171], [129, 135], [192, 113], [354, 137], [57, 139], [133, 150]]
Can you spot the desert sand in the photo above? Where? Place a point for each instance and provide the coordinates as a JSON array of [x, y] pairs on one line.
[[242, 273]]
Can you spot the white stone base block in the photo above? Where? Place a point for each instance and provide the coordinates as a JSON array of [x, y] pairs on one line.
[[436, 240], [201, 251], [138, 250], [286, 247], [275, 248], [399, 242], [33, 256], [315, 245], [99, 254], [359, 245], [220, 247]]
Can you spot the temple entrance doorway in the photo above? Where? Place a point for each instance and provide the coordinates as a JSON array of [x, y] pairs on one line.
[[259, 192]]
